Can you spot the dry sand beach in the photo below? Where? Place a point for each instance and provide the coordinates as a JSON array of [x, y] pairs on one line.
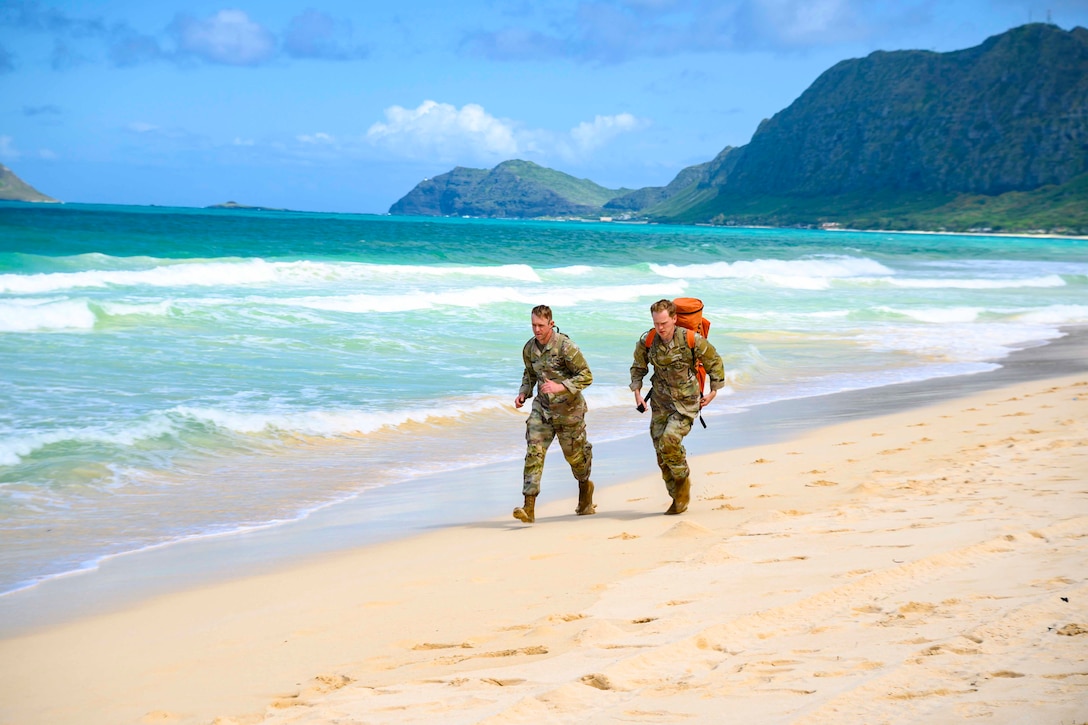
[[926, 565]]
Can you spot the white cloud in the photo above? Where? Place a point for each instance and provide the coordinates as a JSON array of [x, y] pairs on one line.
[[142, 127], [445, 131], [806, 22], [228, 37], [589, 135], [7, 148], [316, 138]]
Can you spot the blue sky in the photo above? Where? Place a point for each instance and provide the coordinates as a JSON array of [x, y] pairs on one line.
[[337, 105]]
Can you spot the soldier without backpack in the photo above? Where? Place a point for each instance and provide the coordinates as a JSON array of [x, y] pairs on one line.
[[677, 399], [555, 367]]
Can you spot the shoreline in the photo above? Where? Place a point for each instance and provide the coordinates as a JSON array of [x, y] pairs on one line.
[[377, 516], [917, 556]]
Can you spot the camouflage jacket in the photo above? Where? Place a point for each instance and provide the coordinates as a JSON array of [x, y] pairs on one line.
[[673, 381], [560, 360]]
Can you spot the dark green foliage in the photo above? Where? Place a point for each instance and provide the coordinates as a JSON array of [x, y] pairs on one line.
[[516, 188]]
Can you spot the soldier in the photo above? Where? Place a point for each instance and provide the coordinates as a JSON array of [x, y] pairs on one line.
[[676, 399], [555, 366]]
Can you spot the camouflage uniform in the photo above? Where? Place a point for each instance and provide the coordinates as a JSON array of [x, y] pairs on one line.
[[553, 415], [675, 400]]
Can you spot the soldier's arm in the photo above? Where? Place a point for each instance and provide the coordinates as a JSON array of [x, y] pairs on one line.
[[528, 377], [641, 364], [712, 361], [581, 376]]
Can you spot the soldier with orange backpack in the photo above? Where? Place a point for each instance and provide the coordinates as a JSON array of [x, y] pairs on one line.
[[681, 357]]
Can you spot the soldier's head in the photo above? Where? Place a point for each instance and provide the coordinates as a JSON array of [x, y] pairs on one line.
[[664, 315], [541, 319]]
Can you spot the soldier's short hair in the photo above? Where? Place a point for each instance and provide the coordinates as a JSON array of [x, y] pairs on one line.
[[665, 305], [543, 312]]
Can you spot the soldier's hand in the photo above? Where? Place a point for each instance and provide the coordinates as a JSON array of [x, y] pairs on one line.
[[520, 400], [551, 386], [705, 400], [640, 403]]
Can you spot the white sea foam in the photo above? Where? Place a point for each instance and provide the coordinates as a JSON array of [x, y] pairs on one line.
[[938, 315], [1050, 280], [151, 309], [16, 445], [958, 341], [21, 315], [171, 273], [326, 423], [1056, 315], [809, 273], [478, 297]]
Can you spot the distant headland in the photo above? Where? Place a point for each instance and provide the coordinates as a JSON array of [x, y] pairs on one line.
[[12, 188], [236, 205]]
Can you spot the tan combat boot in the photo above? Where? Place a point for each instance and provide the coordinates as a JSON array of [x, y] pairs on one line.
[[585, 499], [526, 513], [681, 499]]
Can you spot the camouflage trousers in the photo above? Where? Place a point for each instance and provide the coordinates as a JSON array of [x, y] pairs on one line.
[[667, 429], [539, 434]]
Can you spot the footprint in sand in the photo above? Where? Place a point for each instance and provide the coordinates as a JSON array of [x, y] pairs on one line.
[[601, 682], [565, 617]]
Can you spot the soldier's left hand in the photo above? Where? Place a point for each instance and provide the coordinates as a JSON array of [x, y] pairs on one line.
[[705, 400]]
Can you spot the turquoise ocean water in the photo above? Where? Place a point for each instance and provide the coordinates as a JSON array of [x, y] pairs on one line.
[[171, 374]]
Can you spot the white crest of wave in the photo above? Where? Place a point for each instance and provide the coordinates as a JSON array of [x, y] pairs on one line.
[[480, 296], [788, 315], [189, 273], [30, 315], [810, 273], [181, 274], [575, 270], [937, 314], [1057, 315], [1050, 280], [328, 423], [17, 447]]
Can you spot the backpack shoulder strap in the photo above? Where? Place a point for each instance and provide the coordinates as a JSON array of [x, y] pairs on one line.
[[650, 337], [691, 339]]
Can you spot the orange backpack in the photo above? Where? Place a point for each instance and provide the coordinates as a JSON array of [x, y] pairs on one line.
[[689, 315]]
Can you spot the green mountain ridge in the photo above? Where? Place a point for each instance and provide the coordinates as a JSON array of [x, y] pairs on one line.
[[12, 188], [519, 189], [991, 137]]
